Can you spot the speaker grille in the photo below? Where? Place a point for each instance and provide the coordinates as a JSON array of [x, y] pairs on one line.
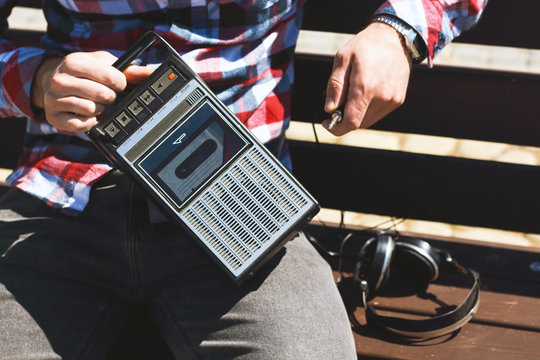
[[245, 210], [194, 96]]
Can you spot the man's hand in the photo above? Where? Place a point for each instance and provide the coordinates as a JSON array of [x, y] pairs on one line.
[[370, 76], [75, 89]]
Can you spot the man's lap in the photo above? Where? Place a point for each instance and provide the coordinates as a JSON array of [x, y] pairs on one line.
[[77, 279]]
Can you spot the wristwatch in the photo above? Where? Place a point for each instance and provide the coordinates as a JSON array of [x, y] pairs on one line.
[[412, 41]]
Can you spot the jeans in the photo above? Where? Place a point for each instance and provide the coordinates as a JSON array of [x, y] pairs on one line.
[[68, 286]]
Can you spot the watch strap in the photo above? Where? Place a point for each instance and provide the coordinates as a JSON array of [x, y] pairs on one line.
[[412, 41]]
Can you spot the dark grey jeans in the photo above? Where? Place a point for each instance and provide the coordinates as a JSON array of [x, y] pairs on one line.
[[68, 284]]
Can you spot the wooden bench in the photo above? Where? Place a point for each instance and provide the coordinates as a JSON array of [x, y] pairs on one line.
[[487, 106]]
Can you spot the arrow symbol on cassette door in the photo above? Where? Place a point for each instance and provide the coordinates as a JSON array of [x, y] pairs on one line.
[[179, 140]]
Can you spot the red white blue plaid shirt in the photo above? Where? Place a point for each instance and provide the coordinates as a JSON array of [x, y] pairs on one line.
[[242, 48]]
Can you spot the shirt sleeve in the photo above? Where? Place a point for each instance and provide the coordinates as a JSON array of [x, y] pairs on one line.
[[17, 68], [437, 21]]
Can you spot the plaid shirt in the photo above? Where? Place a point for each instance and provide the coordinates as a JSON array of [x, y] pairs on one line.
[[243, 49]]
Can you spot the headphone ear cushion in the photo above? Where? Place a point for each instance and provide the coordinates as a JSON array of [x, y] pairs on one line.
[[416, 261], [376, 257]]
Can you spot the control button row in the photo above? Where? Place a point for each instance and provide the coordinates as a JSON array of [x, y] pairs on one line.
[[136, 113]]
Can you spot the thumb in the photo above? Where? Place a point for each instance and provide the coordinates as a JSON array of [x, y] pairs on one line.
[[136, 74]]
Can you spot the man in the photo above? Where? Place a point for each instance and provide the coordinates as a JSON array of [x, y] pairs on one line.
[[79, 245]]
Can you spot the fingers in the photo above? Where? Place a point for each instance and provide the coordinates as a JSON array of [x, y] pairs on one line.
[[75, 89], [347, 89], [70, 122], [72, 114], [369, 78], [79, 106], [96, 67], [362, 111], [64, 85], [355, 110], [337, 83]]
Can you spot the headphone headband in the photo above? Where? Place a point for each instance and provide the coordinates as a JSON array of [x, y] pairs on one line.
[[433, 327], [433, 261]]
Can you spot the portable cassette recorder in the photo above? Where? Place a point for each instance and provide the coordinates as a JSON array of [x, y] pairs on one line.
[[201, 165]]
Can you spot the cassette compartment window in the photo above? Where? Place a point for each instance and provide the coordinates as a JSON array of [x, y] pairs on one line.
[[183, 161]]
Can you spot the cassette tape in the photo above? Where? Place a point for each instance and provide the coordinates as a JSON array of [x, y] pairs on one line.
[[202, 166]]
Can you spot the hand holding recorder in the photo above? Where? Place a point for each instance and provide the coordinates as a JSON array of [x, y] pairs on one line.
[[75, 89]]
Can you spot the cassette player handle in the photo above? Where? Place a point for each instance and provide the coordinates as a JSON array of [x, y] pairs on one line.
[[138, 48]]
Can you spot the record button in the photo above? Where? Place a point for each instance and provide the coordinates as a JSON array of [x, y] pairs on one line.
[[169, 81]]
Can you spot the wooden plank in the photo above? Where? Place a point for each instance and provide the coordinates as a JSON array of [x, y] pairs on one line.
[[505, 23], [513, 267], [11, 139], [469, 104], [502, 310], [30, 3], [3, 189], [502, 328], [347, 16], [25, 38], [3, 185], [474, 341], [416, 186]]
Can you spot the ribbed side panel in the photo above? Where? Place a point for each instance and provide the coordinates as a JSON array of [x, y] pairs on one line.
[[244, 210]]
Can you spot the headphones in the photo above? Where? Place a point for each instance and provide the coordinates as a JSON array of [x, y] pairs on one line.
[[417, 260]]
